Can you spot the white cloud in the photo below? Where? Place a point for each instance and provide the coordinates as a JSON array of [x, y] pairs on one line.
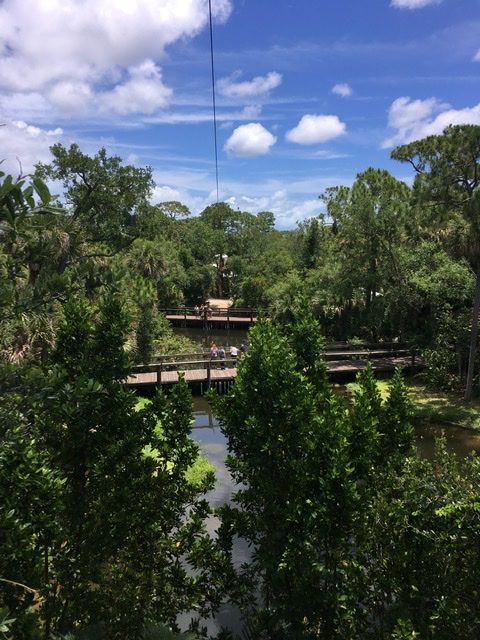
[[260, 85], [342, 89], [24, 145], [250, 140], [315, 129], [165, 194], [413, 4], [416, 119], [29, 106], [51, 46], [405, 113], [290, 200], [143, 92], [71, 97], [476, 57]]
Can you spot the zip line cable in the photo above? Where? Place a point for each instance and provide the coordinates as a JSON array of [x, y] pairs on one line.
[[213, 95]]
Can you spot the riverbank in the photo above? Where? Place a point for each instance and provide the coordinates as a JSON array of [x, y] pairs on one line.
[[444, 407], [439, 407]]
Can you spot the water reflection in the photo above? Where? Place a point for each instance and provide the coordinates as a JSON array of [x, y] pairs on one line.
[[459, 440], [206, 432], [204, 337], [212, 442]]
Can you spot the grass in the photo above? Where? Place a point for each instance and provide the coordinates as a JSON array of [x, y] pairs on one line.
[[443, 406], [196, 474], [430, 405]]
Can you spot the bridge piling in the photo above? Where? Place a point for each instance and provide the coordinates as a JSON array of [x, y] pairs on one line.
[[209, 374]]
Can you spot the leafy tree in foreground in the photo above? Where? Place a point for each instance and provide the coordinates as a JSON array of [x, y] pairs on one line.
[[421, 553], [112, 514], [299, 496], [352, 535]]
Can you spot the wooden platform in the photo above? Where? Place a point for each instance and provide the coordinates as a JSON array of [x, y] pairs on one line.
[[214, 319], [219, 317]]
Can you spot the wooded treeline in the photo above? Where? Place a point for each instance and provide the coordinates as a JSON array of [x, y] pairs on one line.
[[102, 532], [383, 262]]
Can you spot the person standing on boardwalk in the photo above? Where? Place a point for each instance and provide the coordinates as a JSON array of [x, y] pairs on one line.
[[213, 351], [221, 356], [234, 354]]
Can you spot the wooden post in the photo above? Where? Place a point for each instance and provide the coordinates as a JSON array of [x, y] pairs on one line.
[[159, 375], [209, 373]]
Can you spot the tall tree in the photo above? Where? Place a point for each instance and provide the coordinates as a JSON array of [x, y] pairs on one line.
[[447, 178], [33, 250], [369, 224], [296, 503], [102, 194]]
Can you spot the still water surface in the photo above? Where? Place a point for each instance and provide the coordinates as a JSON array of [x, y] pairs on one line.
[[204, 338]]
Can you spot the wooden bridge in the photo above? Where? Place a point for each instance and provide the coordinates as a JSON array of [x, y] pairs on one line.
[[201, 372], [220, 318]]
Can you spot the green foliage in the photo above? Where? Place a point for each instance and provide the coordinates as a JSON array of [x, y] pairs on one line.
[[145, 335], [5, 623], [102, 193], [311, 238], [369, 226], [336, 505], [29, 252], [93, 527], [298, 495]]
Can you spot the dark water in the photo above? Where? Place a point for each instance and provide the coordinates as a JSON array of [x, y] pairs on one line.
[[459, 440], [204, 338], [213, 444], [206, 432]]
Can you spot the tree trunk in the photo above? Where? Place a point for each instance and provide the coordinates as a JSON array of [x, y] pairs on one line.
[[473, 338]]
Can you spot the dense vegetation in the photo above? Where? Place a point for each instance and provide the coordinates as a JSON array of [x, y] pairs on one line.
[[102, 530], [354, 536], [385, 262]]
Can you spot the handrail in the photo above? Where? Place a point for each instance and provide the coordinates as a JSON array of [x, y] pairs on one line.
[[330, 352], [231, 312], [231, 363], [152, 366]]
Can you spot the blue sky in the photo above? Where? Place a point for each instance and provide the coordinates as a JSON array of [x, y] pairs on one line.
[[309, 92]]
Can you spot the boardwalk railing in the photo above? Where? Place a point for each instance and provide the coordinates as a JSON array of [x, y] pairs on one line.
[[188, 313], [200, 367], [335, 351]]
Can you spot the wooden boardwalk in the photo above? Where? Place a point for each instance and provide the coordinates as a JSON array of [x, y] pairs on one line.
[[210, 374], [186, 316]]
